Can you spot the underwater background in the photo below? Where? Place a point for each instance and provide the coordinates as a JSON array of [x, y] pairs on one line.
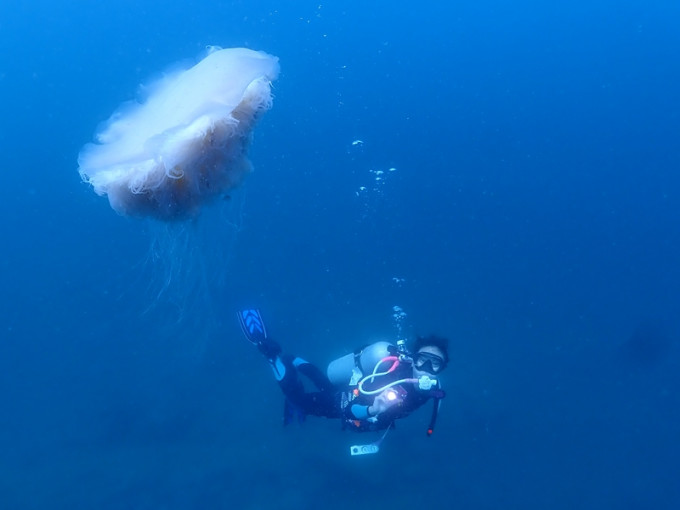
[[528, 209]]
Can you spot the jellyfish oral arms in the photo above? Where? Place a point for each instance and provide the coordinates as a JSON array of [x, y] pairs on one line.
[[187, 143]]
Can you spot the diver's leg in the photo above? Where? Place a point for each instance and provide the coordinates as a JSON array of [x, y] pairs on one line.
[[314, 374], [317, 403], [295, 406], [283, 366], [286, 371]]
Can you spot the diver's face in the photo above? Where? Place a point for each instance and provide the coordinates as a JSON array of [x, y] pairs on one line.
[[429, 360]]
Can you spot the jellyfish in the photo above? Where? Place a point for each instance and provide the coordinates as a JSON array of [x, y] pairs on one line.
[[186, 144]]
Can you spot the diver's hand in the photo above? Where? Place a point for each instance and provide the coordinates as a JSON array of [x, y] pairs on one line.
[[387, 399]]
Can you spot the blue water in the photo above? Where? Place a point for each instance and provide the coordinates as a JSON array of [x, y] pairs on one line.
[[533, 218]]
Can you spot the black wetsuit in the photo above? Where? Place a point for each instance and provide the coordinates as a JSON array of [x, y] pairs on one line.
[[343, 402]]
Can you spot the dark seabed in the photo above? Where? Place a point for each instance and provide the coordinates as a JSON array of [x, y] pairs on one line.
[[532, 217]]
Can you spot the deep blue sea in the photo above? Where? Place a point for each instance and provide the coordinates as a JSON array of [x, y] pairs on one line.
[[528, 209]]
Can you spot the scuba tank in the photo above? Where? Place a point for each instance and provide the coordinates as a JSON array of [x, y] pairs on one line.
[[348, 369]]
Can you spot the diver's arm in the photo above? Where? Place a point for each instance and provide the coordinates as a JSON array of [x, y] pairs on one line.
[[359, 412], [381, 403]]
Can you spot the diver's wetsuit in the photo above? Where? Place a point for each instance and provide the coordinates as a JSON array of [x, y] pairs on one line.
[[340, 402]]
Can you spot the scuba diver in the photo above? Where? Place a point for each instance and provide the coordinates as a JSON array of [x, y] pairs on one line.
[[367, 390]]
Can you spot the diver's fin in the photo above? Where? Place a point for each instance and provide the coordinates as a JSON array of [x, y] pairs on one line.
[[252, 326]]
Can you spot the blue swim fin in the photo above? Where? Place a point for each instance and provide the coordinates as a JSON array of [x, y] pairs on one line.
[[252, 326]]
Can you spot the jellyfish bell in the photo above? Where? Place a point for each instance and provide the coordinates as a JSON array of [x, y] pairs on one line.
[[186, 144], [171, 157]]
